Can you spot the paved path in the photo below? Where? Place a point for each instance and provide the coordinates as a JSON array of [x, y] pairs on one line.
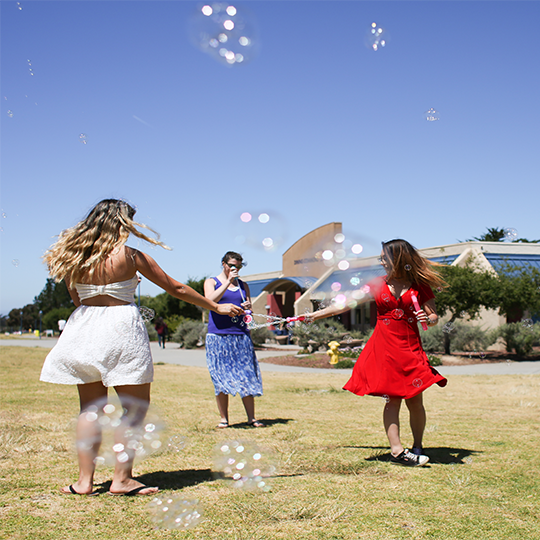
[[197, 358]]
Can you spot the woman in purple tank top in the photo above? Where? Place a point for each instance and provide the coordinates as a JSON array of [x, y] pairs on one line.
[[230, 355]]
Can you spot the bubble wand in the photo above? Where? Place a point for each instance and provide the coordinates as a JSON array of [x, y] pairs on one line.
[[417, 307]]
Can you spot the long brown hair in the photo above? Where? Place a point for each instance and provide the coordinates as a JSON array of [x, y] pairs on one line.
[[405, 263], [80, 250]]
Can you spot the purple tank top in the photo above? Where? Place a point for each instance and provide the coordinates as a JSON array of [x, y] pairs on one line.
[[223, 324]]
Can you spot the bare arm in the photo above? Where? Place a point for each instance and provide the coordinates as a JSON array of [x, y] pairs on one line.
[[151, 270]]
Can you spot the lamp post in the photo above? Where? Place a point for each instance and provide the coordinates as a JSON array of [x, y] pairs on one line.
[[40, 314], [21, 322]]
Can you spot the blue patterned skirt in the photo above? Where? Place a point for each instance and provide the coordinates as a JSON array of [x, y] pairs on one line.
[[232, 364]]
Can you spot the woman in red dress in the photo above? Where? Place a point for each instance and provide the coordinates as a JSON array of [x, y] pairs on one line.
[[393, 363]]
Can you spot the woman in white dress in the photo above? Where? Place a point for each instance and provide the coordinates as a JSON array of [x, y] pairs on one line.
[[105, 342]]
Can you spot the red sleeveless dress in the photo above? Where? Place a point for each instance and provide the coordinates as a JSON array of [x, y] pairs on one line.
[[393, 362]]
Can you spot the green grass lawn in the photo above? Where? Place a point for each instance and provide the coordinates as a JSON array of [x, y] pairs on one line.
[[333, 479]]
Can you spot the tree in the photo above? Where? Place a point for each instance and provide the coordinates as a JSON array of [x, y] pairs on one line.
[[54, 295], [29, 315], [519, 291], [468, 291], [497, 234]]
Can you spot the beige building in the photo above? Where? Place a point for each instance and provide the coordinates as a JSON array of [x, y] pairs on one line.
[[324, 264]]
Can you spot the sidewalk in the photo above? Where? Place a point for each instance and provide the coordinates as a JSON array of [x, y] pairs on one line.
[[197, 358]]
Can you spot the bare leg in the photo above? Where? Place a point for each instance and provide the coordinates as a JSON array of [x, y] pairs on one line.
[[249, 405], [391, 425], [89, 433], [223, 407], [417, 418], [123, 480]]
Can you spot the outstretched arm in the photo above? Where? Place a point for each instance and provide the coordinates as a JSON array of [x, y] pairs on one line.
[[151, 270]]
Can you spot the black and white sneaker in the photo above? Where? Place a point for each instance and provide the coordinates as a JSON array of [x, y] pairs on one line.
[[408, 459]]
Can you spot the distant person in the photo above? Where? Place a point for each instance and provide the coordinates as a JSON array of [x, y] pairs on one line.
[[162, 331], [95, 351], [61, 325], [393, 364], [230, 355]]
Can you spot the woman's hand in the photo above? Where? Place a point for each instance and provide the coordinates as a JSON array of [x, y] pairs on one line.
[[229, 309], [423, 317], [246, 305], [233, 274]]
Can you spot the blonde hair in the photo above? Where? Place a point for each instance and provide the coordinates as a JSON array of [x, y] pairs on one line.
[[405, 263], [82, 249]]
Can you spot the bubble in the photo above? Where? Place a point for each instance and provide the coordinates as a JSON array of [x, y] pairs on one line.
[[15, 262], [431, 115], [175, 512], [376, 37], [417, 383], [268, 232], [399, 313], [527, 323], [357, 249], [448, 328], [234, 320], [244, 465], [482, 355], [411, 320], [355, 281], [468, 460], [386, 321], [83, 138], [510, 234], [10, 114], [147, 313], [19, 6], [439, 289], [336, 286], [128, 430], [327, 254], [463, 314], [386, 398], [343, 265], [385, 297], [408, 267], [225, 32], [339, 238], [176, 443]]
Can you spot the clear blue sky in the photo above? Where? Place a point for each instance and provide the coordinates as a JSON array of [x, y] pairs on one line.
[[316, 128]]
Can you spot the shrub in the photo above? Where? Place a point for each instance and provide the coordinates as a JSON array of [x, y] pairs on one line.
[[434, 360], [463, 337], [319, 333], [152, 334], [519, 338], [260, 335], [190, 334], [344, 364]]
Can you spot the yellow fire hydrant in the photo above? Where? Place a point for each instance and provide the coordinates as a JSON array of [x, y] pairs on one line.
[[332, 352]]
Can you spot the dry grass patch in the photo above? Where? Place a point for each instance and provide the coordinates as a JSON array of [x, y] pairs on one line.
[[333, 480]]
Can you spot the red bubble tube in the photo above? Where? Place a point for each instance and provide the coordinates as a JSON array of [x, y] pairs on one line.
[[417, 307]]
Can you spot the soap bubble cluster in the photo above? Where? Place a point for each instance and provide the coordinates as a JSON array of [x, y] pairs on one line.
[[376, 37], [265, 230], [431, 115], [510, 234], [527, 323], [244, 465], [127, 427], [175, 512], [15, 262], [83, 138], [10, 113], [147, 313], [448, 328], [177, 443], [225, 32]]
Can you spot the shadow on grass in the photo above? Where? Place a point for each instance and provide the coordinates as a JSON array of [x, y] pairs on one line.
[[268, 422], [171, 479], [437, 454]]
